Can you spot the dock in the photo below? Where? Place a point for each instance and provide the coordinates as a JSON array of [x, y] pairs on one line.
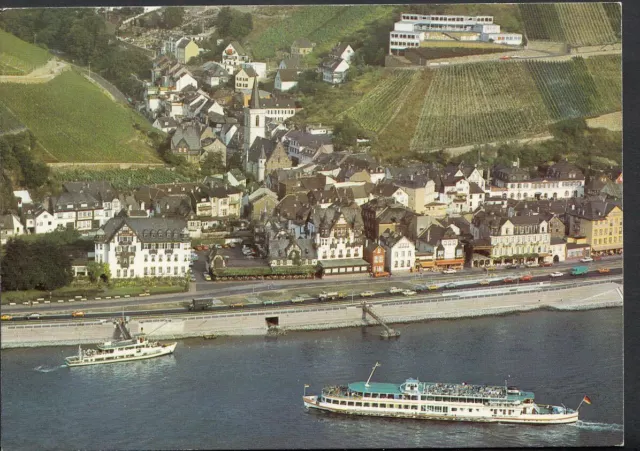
[[388, 332]]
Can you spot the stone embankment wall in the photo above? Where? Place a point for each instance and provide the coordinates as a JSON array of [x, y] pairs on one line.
[[315, 317]]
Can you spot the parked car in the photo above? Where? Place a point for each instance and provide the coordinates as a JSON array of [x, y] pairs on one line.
[[297, 300], [206, 276], [450, 285], [395, 290], [513, 266], [409, 292], [367, 294], [490, 268], [484, 282], [547, 264], [586, 260], [198, 248], [526, 278], [205, 247], [192, 277], [597, 258], [433, 287], [7, 317], [449, 271], [77, 314], [508, 280], [34, 316], [557, 274], [603, 270]]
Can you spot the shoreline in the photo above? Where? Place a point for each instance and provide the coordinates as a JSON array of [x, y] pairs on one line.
[[319, 317]]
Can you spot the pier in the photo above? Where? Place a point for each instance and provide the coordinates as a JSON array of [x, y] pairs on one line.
[[388, 332]]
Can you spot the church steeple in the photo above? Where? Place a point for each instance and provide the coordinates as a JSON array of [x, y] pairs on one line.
[[255, 95]]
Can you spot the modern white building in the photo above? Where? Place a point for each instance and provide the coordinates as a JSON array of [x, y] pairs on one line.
[[562, 181], [413, 29], [144, 247]]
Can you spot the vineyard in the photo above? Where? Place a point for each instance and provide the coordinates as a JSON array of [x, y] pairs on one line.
[[578, 24], [122, 179], [18, 57], [481, 103], [323, 25], [378, 106], [8, 121], [75, 122]]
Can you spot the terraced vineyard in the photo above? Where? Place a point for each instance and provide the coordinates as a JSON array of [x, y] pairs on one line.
[[75, 121], [323, 25], [378, 106], [578, 24], [121, 179], [18, 57], [8, 121], [480, 103]]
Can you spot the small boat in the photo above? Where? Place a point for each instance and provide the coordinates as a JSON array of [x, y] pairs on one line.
[[210, 337], [136, 348]]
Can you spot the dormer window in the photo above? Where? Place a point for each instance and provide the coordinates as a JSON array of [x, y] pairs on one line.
[[153, 234]]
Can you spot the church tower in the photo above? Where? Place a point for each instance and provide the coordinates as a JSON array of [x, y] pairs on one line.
[[262, 165], [254, 121]]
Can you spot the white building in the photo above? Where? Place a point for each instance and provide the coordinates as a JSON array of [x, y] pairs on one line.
[[400, 252], [259, 68], [23, 197], [286, 79], [144, 247], [78, 210], [413, 29], [562, 181], [233, 57], [335, 71], [10, 226]]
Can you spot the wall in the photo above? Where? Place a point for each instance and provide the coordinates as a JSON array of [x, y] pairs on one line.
[[318, 316]]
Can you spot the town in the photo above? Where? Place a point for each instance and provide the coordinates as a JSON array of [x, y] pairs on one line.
[[286, 199]]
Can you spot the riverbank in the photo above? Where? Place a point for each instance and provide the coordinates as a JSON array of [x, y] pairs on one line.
[[314, 317]]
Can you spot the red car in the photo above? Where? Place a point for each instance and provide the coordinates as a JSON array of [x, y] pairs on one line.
[[508, 280], [526, 278], [205, 247], [547, 264]]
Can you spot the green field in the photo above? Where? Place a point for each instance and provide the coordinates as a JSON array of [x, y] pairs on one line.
[[121, 179], [8, 121], [322, 25], [577, 24], [18, 57], [480, 103], [75, 121]]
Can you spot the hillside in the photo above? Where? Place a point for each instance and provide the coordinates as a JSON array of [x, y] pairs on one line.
[[324, 25], [18, 57], [74, 121], [485, 102], [577, 24]]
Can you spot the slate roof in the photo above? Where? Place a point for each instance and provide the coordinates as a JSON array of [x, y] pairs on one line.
[[191, 133], [239, 49], [594, 209], [251, 73], [278, 247], [389, 240], [259, 146], [293, 63], [166, 122], [101, 190], [287, 75], [384, 189], [143, 227], [183, 43], [76, 199], [474, 188], [325, 219]]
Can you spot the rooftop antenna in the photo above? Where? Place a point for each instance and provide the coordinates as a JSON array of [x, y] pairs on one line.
[[372, 371]]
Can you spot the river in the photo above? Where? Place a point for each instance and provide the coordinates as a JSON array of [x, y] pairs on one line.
[[237, 392]]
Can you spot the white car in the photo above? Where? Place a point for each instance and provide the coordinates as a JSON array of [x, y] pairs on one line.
[[557, 274], [449, 271], [367, 294], [409, 292], [586, 260], [394, 290]]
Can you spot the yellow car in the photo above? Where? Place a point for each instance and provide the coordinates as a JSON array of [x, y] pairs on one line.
[[77, 314], [7, 317]]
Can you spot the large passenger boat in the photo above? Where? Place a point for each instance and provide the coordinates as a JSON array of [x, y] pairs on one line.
[[438, 401], [135, 348]]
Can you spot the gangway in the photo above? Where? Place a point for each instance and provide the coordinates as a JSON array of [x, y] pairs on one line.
[[388, 332], [124, 332]]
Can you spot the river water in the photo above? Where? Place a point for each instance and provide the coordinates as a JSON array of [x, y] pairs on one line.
[[246, 392]]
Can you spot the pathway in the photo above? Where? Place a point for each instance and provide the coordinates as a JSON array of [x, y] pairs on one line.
[[42, 74]]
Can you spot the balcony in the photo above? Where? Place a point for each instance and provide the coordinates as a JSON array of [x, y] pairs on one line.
[[153, 251], [168, 251]]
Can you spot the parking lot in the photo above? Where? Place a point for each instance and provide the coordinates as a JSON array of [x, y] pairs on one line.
[[238, 260]]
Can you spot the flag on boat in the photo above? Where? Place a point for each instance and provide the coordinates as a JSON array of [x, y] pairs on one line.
[[307, 386], [587, 399]]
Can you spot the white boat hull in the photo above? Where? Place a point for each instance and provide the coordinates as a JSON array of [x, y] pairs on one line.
[[164, 350], [311, 402]]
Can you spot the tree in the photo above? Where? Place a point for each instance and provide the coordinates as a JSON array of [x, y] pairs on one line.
[[172, 17], [97, 270], [39, 265], [346, 133], [212, 164], [235, 161]]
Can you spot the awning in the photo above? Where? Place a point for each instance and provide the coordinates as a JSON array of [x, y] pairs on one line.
[[453, 261], [427, 264]]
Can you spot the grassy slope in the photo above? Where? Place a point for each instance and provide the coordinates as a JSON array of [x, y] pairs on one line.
[[323, 25], [76, 122], [18, 57]]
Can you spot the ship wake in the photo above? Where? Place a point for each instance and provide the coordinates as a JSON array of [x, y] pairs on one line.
[[48, 369], [592, 426]]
